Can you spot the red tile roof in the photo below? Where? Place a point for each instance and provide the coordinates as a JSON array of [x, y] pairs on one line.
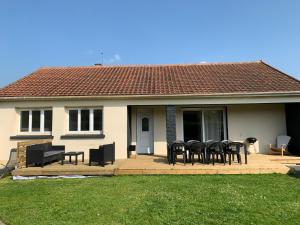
[[154, 80]]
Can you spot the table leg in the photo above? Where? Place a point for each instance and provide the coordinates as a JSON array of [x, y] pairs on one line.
[[205, 156], [246, 153], [76, 158], [62, 160], [83, 157], [70, 159]]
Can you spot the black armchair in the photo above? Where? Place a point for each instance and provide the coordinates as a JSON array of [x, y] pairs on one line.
[[197, 148], [214, 150], [178, 148], [105, 153], [233, 148]]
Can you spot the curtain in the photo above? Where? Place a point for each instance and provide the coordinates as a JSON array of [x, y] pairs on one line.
[[213, 125]]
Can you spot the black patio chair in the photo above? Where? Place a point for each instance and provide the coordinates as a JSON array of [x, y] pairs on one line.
[[11, 163], [215, 149], [227, 150], [178, 148], [197, 148], [188, 145], [207, 144], [232, 149]]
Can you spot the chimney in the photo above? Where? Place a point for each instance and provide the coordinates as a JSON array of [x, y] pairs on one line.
[[98, 64]]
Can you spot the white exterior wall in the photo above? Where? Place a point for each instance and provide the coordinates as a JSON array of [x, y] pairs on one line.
[[8, 127], [114, 125], [160, 133], [264, 122]]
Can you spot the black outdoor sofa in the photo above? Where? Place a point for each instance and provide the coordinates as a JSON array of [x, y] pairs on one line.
[[40, 154], [102, 155]]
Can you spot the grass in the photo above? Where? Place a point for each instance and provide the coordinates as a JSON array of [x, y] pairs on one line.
[[207, 199]]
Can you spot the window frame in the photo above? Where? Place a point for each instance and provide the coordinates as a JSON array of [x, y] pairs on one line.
[[42, 121], [91, 120]]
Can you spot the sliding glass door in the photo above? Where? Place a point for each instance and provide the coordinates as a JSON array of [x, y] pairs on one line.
[[203, 124], [213, 125], [192, 125]]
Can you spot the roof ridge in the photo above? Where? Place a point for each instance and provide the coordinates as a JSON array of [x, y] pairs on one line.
[[150, 65]]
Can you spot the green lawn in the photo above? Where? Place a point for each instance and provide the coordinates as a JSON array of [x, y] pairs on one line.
[[206, 199]]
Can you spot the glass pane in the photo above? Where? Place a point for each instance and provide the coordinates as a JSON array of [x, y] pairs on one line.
[[73, 120], [85, 120], [24, 121], [48, 120], [36, 120], [213, 125], [97, 119], [145, 124], [192, 125]]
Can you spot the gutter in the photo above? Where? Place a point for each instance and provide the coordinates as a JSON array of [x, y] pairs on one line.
[[181, 96]]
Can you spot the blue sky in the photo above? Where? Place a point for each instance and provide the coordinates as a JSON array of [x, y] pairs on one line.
[[36, 33]]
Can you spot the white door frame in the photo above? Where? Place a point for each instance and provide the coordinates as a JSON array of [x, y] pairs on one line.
[[141, 113]]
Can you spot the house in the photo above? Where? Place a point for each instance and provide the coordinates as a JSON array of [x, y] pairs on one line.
[[150, 105]]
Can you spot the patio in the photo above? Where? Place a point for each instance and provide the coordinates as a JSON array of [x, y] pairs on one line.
[[151, 165]]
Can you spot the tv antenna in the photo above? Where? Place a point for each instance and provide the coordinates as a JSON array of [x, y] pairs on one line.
[[101, 57]]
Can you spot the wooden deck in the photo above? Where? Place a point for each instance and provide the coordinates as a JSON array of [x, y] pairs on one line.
[[257, 163]]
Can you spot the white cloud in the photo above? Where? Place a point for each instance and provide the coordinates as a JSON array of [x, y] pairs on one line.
[[115, 59]]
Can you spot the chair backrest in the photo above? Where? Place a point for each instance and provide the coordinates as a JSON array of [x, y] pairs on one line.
[[108, 151], [197, 146], [40, 147], [190, 142], [109, 147], [178, 141], [178, 147], [12, 161], [282, 141], [226, 144], [209, 143], [235, 145], [216, 145]]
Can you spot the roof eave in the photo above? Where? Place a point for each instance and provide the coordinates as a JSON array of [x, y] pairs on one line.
[[180, 96]]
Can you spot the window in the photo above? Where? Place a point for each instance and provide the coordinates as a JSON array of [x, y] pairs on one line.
[[145, 124], [48, 120], [73, 120], [36, 120], [192, 125], [85, 120], [24, 121], [213, 125], [97, 119], [204, 124]]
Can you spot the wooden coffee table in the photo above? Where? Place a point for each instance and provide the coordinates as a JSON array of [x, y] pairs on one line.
[[70, 154]]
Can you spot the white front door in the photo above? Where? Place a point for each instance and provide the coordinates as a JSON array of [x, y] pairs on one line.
[[144, 131]]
